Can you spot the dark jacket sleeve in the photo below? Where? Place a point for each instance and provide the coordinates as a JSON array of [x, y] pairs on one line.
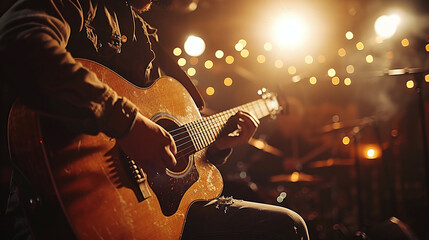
[[36, 65]]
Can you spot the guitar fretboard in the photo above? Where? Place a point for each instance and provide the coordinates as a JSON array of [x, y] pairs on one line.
[[205, 131]]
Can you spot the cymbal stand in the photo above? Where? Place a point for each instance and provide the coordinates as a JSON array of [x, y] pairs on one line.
[[358, 181], [419, 81]]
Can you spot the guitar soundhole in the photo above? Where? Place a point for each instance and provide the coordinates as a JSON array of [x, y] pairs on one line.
[[183, 144]]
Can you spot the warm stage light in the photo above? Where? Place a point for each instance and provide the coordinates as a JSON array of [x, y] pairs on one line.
[[268, 46], [219, 54], [177, 51], [331, 72], [349, 35], [313, 80], [371, 151], [260, 58], [342, 52], [208, 64], [347, 81], [405, 42], [210, 91], [308, 59], [239, 46], [386, 25], [360, 46], [335, 81], [350, 69], [242, 42], [227, 81], [181, 62], [244, 53], [291, 70], [346, 140], [191, 71], [229, 59], [294, 177], [194, 46], [410, 84], [278, 63], [289, 30]]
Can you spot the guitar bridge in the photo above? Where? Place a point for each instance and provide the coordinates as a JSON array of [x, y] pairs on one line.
[[139, 177]]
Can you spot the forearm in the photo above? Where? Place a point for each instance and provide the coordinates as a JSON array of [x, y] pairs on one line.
[[216, 156]]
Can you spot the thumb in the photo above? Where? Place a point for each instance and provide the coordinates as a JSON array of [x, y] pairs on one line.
[[168, 157]]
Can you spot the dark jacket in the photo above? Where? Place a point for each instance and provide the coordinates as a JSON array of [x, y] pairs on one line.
[[39, 41]]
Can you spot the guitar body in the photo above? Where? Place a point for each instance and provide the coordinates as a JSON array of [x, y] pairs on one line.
[[89, 179]]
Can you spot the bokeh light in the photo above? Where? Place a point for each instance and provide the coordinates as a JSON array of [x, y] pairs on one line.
[[210, 91], [194, 46], [219, 54], [349, 35], [227, 81], [208, 64], [177, 51], [308, 59], [181, 62], [260, 58], [229, 59], [386, 25]]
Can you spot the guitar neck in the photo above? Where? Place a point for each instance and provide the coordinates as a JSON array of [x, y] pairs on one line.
[[205, 131]]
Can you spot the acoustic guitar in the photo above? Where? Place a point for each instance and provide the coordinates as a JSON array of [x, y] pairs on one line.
[[97, 191]]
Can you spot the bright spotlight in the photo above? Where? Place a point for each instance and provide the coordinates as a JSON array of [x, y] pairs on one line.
[[289, 30], [194, 46], [371, 151], [386, 25]]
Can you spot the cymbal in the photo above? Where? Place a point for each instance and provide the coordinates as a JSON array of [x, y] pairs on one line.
[[264, 146], [344, 125], [294, 177], [331, 162]]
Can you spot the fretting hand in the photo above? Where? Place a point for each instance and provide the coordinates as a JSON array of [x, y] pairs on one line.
[[243, 127]]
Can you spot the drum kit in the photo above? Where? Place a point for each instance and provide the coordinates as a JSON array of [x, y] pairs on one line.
[[313, 186]]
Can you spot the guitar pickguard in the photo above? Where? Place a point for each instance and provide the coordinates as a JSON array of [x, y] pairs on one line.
[[170, 189]]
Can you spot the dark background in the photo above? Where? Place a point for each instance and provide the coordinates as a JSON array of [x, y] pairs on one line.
[[385, 110]]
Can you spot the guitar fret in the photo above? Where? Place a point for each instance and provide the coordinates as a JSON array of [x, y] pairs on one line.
[[218, 123], [261, 108], [206, 132], [202, 134], [267, 112], [211, 130], [188, 128], [190, 136], [259, 114], [253, 111], [197, 136]]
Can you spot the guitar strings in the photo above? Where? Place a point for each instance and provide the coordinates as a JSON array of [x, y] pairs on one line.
[[203, 140], [254, 105], [207, 129], [189, 135], [205, 125]]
